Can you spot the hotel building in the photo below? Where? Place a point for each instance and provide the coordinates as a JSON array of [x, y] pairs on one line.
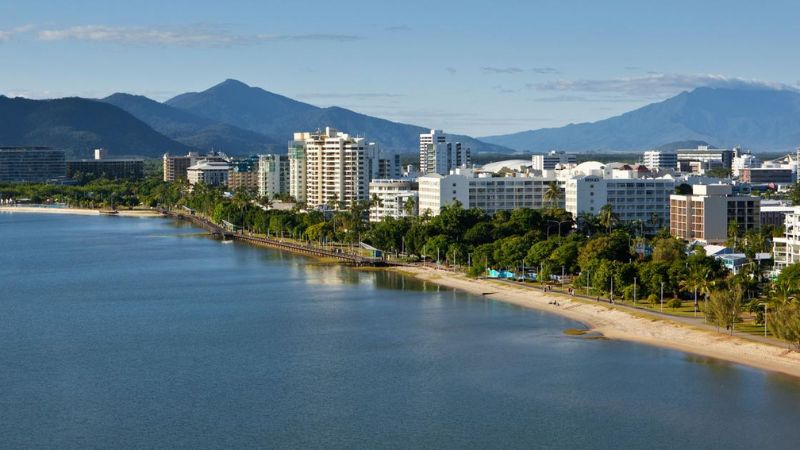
[[31, 165], [706, 213], [438, 155]]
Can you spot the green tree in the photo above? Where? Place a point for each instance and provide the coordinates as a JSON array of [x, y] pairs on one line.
[[724, 307]]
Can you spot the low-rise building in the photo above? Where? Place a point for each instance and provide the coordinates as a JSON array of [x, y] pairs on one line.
[[487, 192], [103, 166], [776, 175], [31, 165], [631, 198], [706, 213], [393, 198], [660, 160], [212, 173], [175, 166]]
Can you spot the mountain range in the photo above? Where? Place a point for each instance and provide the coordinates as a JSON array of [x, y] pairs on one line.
[[758, 118], [239, 119]]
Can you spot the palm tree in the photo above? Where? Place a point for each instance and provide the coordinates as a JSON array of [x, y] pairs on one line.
[[606, 217], [696, 280], [552, 194], [409, 205]]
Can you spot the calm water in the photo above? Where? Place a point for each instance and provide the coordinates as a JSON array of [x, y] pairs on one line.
[[118, 332]]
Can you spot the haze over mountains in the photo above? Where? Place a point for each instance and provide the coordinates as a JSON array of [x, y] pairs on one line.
[[757, 118], [239, 119]]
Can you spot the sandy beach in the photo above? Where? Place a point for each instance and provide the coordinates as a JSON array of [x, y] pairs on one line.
[[616, 324], [77, 211]]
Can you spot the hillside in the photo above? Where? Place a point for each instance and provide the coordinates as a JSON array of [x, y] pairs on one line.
[[761, 119], [193, 130], [235, 103], [78, 126]]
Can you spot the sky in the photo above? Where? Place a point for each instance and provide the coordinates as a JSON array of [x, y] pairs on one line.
[[468, 67]]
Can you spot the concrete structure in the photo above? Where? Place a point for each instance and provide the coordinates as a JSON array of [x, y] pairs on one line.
[[243, 174], [273, 175], [212, 173], [660, 160], [786, 249], [632, 199], [392, 198], [774, 213], [744, 161], [329, 168], [776, 175], [175, 166], [550, 160], [705, 214], [438, 155], [487, 192], [437, 191], [102, 166], [31, 165], [703, 159]]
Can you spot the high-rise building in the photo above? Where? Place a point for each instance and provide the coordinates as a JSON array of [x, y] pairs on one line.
[[273, 175], [660, 160], [786, 249], [705, 214], [31, 164], [438, 155], [549, 161], [329, 168]]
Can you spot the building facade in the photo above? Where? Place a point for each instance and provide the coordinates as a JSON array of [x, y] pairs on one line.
[[660, 160], [438, 155], [393, 198], [31, 165], [486, 192], [786, 249], [549, 161], [706, 214], [102, 166], [175, 166], [329, 168], [211, 173], [273, 175], [642, 200]]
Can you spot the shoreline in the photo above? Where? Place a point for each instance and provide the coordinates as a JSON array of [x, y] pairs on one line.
[[611, 322], [614, 323], [78, 211]]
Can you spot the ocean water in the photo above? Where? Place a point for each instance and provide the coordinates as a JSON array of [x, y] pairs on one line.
[[142, 333]]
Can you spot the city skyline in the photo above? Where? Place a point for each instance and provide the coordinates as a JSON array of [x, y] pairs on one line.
[[482, 70]]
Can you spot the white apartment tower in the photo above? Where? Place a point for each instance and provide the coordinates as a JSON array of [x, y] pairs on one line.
[[659, 160], [438, 155], [329, 168]]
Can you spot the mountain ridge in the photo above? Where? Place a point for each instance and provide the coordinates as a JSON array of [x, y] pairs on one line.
[[762, 118]]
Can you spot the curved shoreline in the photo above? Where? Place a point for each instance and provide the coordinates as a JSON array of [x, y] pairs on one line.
[[639, 327], [623, 325]]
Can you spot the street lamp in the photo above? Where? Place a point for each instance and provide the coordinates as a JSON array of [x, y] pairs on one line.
[[662, 296], [634, 291]]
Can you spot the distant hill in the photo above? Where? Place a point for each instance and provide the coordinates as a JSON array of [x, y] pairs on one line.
[[193, 130], [78, 126], [761, 119], [235, 103]]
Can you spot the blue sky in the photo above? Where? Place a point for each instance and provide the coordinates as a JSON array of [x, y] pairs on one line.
[[477, 68]]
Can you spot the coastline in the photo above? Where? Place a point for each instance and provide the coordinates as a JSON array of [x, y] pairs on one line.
[[77, 211], [610, 322], [614, 323]]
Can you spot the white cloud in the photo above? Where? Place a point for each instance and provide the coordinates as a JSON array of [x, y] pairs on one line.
[[193, 36], [356, 95], [654, 84], [7, 35]]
